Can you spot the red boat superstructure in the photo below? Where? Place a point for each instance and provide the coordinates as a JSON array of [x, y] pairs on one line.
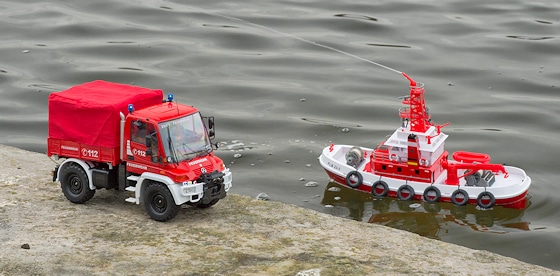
[[413, 163]]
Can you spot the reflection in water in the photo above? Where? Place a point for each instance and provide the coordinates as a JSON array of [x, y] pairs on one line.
[[523, 37], [389, 45], [431, 220], [357, 16]]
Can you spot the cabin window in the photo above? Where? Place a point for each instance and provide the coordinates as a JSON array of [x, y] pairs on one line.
[[138, 132]]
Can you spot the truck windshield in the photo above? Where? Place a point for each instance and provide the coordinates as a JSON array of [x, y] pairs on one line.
[[185, 138]]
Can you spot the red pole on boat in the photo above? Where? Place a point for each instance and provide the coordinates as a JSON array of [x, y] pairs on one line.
[[412, 82]]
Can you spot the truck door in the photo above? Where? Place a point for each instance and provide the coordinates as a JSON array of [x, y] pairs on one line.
[[140, 139]]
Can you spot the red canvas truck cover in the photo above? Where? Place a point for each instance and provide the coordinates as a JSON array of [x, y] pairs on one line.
[[89, 114]]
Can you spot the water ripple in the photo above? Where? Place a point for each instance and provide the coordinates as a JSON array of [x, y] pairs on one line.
[[489, 68]]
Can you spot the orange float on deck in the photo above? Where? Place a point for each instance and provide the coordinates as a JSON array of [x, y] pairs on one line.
[[471, 157]]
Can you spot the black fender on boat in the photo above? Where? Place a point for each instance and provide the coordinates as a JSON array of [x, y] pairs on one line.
[[359, 177], [481, 198], [463, 193], [410, 192], [380, 185], [430, 198]]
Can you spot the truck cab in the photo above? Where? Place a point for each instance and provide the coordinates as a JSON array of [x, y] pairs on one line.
[[173, 140]]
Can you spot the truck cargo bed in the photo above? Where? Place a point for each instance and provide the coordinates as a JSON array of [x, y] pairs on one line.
[[70, 149], [86, 117]]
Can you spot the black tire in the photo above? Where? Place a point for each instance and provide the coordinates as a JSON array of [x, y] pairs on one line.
[[356, 174], [406, 189], [159, 203], [459, 194], [207, 205], [75, 184], [486, 196], [380, 185], [432, 194]]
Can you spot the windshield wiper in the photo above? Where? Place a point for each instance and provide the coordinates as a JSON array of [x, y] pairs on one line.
[[171, 147], [188, 152], [204, 150]]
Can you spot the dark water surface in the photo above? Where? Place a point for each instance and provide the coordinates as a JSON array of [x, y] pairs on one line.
[[491, 69]]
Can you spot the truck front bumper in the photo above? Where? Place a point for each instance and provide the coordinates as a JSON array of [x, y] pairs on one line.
[[207, 192], [216, 191], [227, 179], [190, 193]]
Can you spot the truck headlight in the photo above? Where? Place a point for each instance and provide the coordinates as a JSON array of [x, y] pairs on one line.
[[189, 189]]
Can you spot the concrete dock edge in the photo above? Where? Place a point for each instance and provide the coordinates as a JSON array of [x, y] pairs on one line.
[[42, 233]]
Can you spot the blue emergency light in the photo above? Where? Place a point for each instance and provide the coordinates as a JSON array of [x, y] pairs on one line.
[[130, 108], [170, 97]]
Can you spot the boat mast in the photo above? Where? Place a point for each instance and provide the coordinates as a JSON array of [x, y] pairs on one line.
[[417, 114]]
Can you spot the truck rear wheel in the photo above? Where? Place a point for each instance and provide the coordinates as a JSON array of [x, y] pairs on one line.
[[159, 202], [75, 184]]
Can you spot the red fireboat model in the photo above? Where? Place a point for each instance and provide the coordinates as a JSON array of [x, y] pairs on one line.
[[413, 164]]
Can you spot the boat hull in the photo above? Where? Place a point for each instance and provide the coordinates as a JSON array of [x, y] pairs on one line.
[[509, 190]]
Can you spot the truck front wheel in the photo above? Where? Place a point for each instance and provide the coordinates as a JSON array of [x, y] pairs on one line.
[[159, 202], [75, 184]]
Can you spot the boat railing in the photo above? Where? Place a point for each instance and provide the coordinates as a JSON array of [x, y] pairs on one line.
[[381, 152], [404, 112]]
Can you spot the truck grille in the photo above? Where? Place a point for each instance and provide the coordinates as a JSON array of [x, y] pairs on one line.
[[208, 169]]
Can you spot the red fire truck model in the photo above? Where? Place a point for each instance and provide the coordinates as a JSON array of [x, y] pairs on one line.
[[160, 150]]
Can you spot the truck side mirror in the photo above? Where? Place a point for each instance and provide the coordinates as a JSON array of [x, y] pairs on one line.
[[209, 121], [150, 153], [152, 146], [148, 141]]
